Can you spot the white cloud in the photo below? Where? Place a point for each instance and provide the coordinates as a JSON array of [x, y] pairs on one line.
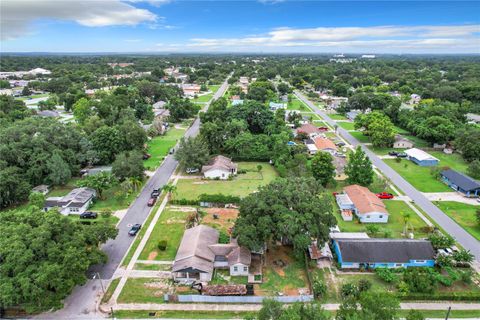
[[17, 15], [461, 38]]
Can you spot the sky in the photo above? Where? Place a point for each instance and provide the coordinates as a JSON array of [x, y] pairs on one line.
[[250, 26]]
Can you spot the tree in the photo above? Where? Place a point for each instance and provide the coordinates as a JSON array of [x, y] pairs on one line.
[[36, 199], [378, 127], [192, 152], [100, 182], [271, 310], [440, 241], [467, 141], [55, 254], [379, 305], [373, 229], [474, 169], [128, 164], [359, 168], [293, 209], [463, 256], [106, 141], [59, 171], [322, 168], [82, 110], [436, 129], [170, 189], [319, 288], [13, 187]]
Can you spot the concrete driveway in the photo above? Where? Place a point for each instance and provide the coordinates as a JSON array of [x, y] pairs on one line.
[[450, 196]]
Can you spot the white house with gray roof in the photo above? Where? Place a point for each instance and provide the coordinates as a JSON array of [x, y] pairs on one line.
[[76, 201], [219, 167]]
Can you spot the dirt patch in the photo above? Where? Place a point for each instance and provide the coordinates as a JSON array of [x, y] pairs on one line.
[[288, 291], [152, 255], [175, 221], [157, 285], [278, 258], [181, 209], [200, 182], [221, 217]]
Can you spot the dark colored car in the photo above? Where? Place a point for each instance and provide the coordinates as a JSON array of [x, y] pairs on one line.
[[134, 229], [151, 201], [323, 128], [146, 156], [393, 153], [88, 215], [385, 195], [340, 144], [401, 155], [155, 193]]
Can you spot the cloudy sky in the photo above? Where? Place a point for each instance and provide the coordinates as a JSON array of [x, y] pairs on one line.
[[240, 26]]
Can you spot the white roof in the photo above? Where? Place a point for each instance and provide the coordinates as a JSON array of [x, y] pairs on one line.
[[344, 199], [419, 154], [348, 235], [311, 147]]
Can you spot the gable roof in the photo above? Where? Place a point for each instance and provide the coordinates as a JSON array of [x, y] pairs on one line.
[[419, 154], [324, 143], [239, 255], [384, 250], [364, 200], [194, 251], [220, 162], [400, 138], [308, 128], [461, 180]]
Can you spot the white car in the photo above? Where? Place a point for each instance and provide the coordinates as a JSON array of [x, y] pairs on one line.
[[192, 170]]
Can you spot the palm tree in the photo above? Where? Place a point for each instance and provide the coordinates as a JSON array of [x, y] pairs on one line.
[[136, 183], [406, 221], [171, 189]]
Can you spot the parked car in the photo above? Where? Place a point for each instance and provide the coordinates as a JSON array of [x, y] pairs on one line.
[[134, 229], [323, 128], [393, 153], [340, 144], [151, 201], [192, 170], [401, 155], [334, 193], [88, 215], [146, 156], [385, 195], [155, 193], [171, 151], [341, 155]]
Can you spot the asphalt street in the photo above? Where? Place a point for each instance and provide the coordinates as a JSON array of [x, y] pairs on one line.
[[81, 304], [451, 227]]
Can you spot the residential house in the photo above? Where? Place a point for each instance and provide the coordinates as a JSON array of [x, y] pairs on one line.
[[219, 167], [48, 113], [40, 71], [200, 253], [368, 56], [461, 182], [351, 115], [76, 201], [383, 253], [95, 170], [325, 144], [473, 118], [43, 189], [402, 142], [364, 203], [421, 158], [415, 98], [274, 106], [309, 129], [334, 102], [236, 100], [190, 89], [311, 147]]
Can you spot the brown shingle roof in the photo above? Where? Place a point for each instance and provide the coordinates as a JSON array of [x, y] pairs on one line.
[[308, 128], [220, 162], [364, 200], [324, 143], [239, 255]]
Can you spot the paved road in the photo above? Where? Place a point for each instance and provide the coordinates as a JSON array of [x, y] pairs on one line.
[[450, 226], [81, 304]]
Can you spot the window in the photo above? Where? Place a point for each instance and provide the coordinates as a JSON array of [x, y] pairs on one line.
[[368, 217], [235, 269], [380, 216], [245, 269], [398, 264], [419, 261]]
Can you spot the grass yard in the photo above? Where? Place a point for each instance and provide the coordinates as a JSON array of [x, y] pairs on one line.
[[170, 227], [111, 289], [241, 186], [419, 177], [336, 116], [34, 96], [115, 199], [296, 104], [463, 214], [360, 136], [144, 290], [159, 146], [60, 191], [214, 87], [145, 314], [203, 98], [286, 279], [453, 161], [395, 225], [152, 267], [346, 125]]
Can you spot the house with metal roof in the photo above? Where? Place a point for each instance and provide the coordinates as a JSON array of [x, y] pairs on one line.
[[199, 254], [374, 253], [76, 201], [461, 182], [421, 157]]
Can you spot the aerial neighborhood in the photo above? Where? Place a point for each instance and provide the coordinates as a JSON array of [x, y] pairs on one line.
[[239, 186]]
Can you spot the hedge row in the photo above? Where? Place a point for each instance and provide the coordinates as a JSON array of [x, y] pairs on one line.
[[452, 296], [213, 198]]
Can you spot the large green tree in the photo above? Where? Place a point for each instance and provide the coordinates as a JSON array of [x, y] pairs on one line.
[[359, 168], [467, 140], [192, 152], [322, 168], [45, 255], [128, 164], [295, 210]]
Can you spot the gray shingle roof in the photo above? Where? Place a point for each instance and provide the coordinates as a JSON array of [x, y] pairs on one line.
[[461, 180], [384, 250]]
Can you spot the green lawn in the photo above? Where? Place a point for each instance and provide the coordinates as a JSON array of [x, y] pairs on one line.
[[159, 146], [34, 96], [359, 136], [143, 290], [214, 87], [111, 289], [153, 267], [60, 191], [454, 161], [296, 104], [145, 314], [420, 177], [395, 223], [336, 116], [346, 125], [203, 98], [463, 214], [169, 227], [241, 185], [115, 199]]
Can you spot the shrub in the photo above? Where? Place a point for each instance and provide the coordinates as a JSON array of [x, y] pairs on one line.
[[319, 288], [162, 245], [387, 275], [466, 276], [423, 280], [414, 315], [223, 237], [364, 285], [349, 290]]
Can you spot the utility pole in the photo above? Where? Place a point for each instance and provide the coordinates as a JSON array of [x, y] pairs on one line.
[[95, 275], [448, 313], [113, 315]]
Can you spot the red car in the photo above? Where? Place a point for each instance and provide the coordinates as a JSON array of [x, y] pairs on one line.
[[323, 128], [385, 195], [151, 202]]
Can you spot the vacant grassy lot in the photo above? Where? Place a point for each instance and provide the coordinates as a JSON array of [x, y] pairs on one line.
[[454, 161], [169, 227], [396, 222], [420, 177], [463, 214], [336, 116], [115, 199], [159, 146], [203, 98], [241, 186], [360, 137], [346, 125], [142, 290], [296, 104]]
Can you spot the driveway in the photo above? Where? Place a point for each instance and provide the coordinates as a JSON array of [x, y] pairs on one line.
[[450, 196], [451, 227], [82, 302]]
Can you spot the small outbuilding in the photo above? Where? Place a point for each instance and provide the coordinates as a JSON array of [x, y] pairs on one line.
[[402, 143]]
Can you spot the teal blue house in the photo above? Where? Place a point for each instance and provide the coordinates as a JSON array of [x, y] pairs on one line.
[[374, 253], [461, 183]]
